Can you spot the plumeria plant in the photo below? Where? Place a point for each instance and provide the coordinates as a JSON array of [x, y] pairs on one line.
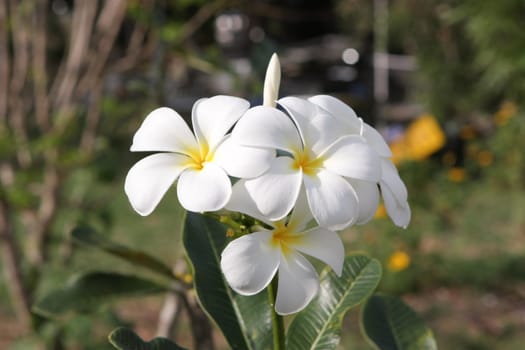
[[266, 191]]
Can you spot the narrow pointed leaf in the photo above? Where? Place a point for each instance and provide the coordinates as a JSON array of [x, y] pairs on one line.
[[390, 324], [244, 321], [125, 339], [86, 292], [88, 236], [318, 326]]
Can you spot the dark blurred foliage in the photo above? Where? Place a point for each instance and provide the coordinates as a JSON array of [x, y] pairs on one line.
[[470, 53]]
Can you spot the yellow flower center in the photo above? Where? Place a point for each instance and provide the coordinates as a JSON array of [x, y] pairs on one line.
[[200, 156], [309, 166], [284, 237]]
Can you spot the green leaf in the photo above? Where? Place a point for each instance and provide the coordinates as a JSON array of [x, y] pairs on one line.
[[318, 326], [125, 339], [86, 292], [88, 236], [244, 321], [390, 324]]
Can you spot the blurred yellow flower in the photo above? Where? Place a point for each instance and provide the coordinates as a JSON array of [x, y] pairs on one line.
[[422, 138], [398, 261], [485, 158], [456, 174], [399, 150], [507, 110], [380, 212]]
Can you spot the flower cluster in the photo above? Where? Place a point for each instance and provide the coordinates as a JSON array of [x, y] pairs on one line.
[[303, 171]]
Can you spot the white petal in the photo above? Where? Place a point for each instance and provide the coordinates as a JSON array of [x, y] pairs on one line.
[[298, 284], [164, 130], [268, 128], [149, 179], [275, 192], [250, 262], [394, 194], [301, 112], [332, 200], [213, 117], [339, 110], [301, 214], [391, 178], [242, 161], [351, 157], [241, 201], [207, 189], [368, 198], [324, 245], [347, 116], [318, 128], [376, 140], [399, 211]]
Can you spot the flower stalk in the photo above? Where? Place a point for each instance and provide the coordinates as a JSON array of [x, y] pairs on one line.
[[277, 320]]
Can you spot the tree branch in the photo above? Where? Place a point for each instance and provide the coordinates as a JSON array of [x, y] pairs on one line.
[[137, 48], [39, 65], [204, 13], [168, 316], [89, 132], [4, 61], [107, 28], [83, 17], [11, 266], [17, 104], [47, 210]]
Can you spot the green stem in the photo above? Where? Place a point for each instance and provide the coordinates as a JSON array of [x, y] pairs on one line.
[[277, 320]]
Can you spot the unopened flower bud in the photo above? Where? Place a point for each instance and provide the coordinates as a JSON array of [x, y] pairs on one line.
[[272, 82]]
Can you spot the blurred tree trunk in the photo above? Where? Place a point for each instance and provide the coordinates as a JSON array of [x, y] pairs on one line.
[[50, 107], [35, 108]]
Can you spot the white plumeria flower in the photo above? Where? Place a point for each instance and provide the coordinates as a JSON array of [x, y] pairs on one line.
[[315, 158], [250, 262], [392, 187], [200, 162]]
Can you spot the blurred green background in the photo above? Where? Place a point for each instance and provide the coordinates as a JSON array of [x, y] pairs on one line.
[[442, 80]]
